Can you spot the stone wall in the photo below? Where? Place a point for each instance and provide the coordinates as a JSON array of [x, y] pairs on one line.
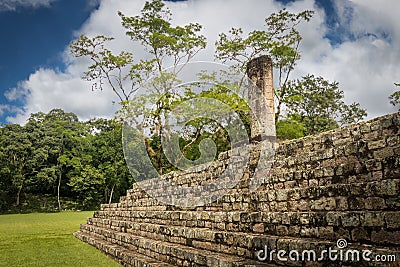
[[341, 184]]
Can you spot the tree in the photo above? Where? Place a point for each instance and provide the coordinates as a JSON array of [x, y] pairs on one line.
[[226, 92], [163, 42], [107, 155], [56, 154], [160, 39], [55, 135], [17, 156], [319, 105], [88, 184], [153, 30], [290, 128], [280, 41]]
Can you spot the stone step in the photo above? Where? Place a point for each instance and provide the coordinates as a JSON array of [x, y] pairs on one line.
[[372, 195], [122, 255], [234, 243], [344, 172], [171, 253], [354, 226], [207, 254]]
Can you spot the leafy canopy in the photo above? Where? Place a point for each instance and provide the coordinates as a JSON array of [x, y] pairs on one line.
[[319, 105]]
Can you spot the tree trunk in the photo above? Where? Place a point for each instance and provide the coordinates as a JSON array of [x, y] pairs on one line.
[[278, 112], [111, 194], [58, 191], [18, 195], [21, 167]]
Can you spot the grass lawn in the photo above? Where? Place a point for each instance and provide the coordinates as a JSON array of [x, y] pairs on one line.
[[45, 239]]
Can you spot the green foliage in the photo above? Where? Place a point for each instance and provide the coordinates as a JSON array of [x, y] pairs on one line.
[[319, 105], [153, 29], [56, 154], [395, 97], [279, 40], [290, 128], [17, 158], [306, 106], [88, 184]]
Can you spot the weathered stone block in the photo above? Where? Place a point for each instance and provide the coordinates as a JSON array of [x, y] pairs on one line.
[[333, 218], [258, 228], [392, 220], [393, 140], [383, 153], [313, 182], [305, 219], [376, 144], [375, 203], [359, 234], [385, 237], [372, 219], [388, 188], [282, 206], [350, 219], [356, 203], [282, 230]]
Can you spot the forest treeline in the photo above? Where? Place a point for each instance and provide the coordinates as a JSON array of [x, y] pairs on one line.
[[57, 162]]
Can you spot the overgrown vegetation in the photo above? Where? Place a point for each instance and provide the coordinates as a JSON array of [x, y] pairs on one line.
[[62, 161]]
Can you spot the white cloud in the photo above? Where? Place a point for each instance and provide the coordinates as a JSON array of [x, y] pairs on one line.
[[2, 109], [12, 5], [366, 67], [47, 89], [365, 64]]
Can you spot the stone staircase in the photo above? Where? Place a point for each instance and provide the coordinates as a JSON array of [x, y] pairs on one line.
[[342, 184]]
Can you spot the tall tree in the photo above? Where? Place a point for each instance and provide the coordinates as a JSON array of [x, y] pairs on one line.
[[280, 40], [164, 44], [56, 136], [17, 156], [154, 31]]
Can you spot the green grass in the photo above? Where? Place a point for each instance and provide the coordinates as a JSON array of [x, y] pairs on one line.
[[45, 239]]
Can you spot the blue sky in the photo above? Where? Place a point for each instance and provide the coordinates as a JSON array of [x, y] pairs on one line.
[[351, 41], [35, 38]]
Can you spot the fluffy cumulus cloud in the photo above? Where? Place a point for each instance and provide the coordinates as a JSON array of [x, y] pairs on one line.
[[47, 89], [11, 5], [364, 62]]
